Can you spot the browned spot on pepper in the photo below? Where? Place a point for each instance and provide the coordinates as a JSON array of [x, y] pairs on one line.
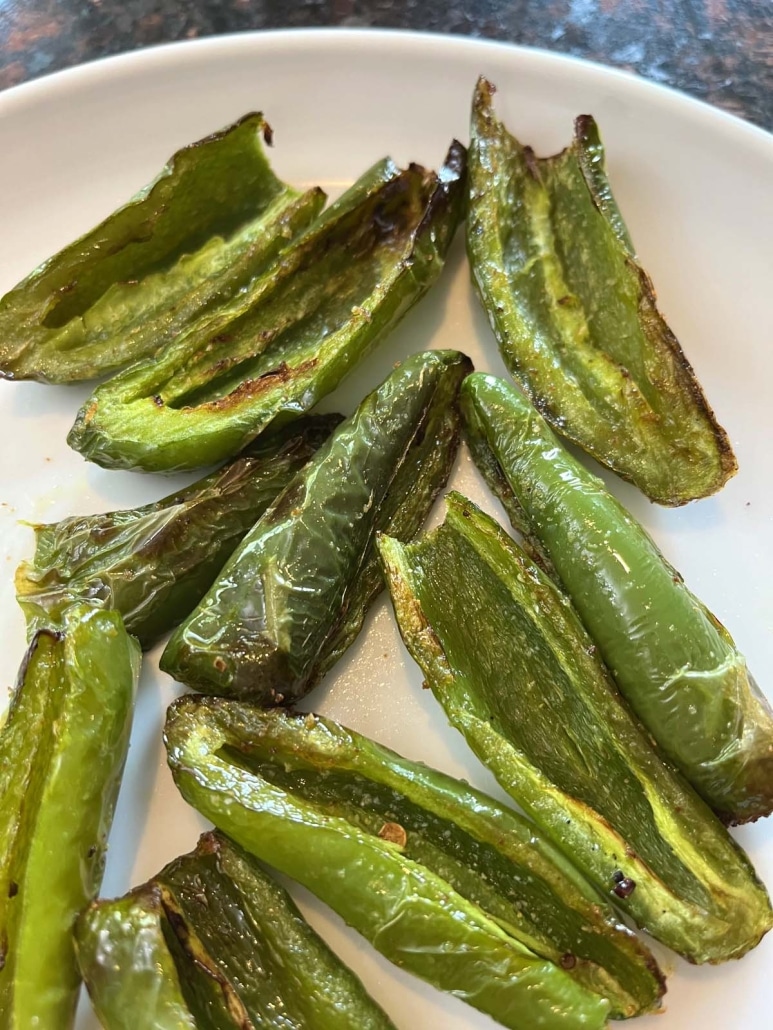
[[253, 387], [13, 889], [394, 833], [624, 886], [567, 961], [219, 664]]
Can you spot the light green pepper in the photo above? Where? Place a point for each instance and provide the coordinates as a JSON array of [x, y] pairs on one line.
[[443, 880], [672, 660], [575, 314], [63, 749], [291, 337], [188, 242], [516, 673]]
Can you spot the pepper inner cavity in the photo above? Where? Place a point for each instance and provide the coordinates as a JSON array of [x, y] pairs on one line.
[[283, 329], [538, 695], [520, 902]]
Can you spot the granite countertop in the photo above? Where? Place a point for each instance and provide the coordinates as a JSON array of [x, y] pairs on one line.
[[720, 51]]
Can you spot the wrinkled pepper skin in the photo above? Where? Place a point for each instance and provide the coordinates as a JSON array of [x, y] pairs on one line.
[[126, 964], [294, 595], [288, 786], [517, 674], [188, 242], [292, 336], [214, 941], [575, 315], [63, 749], [672, 660], [155, 563]]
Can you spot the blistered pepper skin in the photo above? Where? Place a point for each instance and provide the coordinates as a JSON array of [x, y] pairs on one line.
[[154, 564], [211, 222], [63, 749], [214, 940], [444, 881], [675, 664], [126, 964], [518, 676], [291, 337], [294, 595], [575, 315]]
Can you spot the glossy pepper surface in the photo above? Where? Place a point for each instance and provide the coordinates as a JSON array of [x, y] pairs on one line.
[[63, 748], [213, 941], [676, 665], [433, 868], [517, 674], [293, 334], [575, 315], [293, 596], [154, 563], [188, 242]]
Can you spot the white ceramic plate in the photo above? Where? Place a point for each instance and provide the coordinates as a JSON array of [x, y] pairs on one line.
[[694, 185]]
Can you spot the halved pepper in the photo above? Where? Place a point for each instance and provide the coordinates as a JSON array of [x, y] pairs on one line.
[[155, 563], [294, 595], [291, 337], [213, 941], [442, 880], [516, 673], [575, 315], [673, 661], [63, 749], [211, 222]]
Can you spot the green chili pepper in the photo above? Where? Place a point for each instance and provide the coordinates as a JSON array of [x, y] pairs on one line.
[[155, 563], [676, 665], [293, 596], [291, 337], [63, 748], [213, 941], [213, 219], [126, 964], [517, 674], [575, 313], [442, 880]]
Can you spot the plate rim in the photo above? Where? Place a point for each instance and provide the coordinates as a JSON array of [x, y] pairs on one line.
[[37, 90]]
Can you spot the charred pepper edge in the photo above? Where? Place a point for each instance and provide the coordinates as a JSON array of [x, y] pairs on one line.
[[607, 208]]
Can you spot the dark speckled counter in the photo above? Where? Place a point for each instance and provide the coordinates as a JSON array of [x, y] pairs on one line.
[[720, 51]]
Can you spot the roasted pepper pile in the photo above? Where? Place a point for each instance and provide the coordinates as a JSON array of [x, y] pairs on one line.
[[605, 698]]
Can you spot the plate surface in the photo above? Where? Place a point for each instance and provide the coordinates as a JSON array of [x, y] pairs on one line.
[[694, 186]]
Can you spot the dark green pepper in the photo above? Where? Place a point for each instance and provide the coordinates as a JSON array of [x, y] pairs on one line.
[[214, 942], [155, 563], [293, 596], [575, 313], [517, 674], [189, 241], [63, 749], [672, 660], [442, 880], [291, 337]]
